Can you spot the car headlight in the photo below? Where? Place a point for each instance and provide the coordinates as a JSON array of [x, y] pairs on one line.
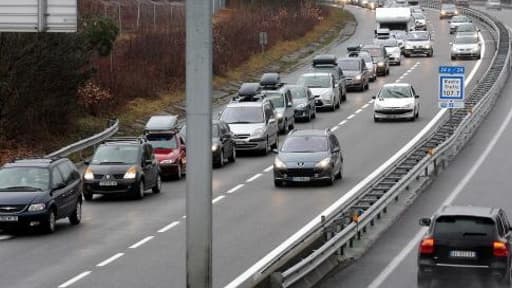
[[377, 106], [131, 173], [88, 175], [324, 163], [279, 115], [36, 207], [279, 164], [258, 132], [215, 147], [456, 12], [407, 46], [454, 49], [443, 12], [380, 64], [167, 161], [428, 46], [358, 77]]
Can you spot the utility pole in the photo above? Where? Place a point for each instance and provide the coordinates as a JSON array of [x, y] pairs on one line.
[[199, 142]]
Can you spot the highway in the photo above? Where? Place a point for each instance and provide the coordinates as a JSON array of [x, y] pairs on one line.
[[125, 243], [478, 177]]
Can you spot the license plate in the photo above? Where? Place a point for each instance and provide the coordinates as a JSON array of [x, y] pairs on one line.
[[8, 218], [462, 254], [301, 179], [108, 183]]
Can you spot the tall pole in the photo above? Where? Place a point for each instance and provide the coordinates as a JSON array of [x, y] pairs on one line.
[[199, 143]]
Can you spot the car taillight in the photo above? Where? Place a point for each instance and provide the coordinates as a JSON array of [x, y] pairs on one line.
[[427, 246], [499, 249]]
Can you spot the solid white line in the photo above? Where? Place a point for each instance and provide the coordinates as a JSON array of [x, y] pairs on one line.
[[141, 242], [397, 80], [169, 227], [388, 270], [351, 116], [365, 105], [75, 279], [342, 122], [269, 168], [237, 187], [5, 237], [253, 178], [218, 199], [334, 128], [358, 111], [110, 260]]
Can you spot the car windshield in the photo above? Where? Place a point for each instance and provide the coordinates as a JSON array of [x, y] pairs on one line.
[[459, 19], [464, 227], [305, 144], [367, 58], [116, 154], [466, 28], [395, 92], [298, 92], [315, 81], [418, 16], [374, 52], [165, 141], [277, 99], [350, 65], [465, 40], [449, 7], [417, 36], [24, 179], [242, 115]]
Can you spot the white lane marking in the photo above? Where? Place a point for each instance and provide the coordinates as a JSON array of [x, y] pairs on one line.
[[351, 116], [110, 260], [141, 242], [74, 279], [269, 168], [388, 270], [184, 216], [397, 80], [347, 196], [253, 178], [405, 74], [365, 105], [334, 128], [371, 101], [237, 187], [169, 227], [218, 199], [5, 237], [358, 111], [342, 122]]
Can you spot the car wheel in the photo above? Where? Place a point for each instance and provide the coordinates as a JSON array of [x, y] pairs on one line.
[[276, 143], [314, 113], [361, 89], [331, 180], [399, 63], [179, 173], [424, 281], [292, 125], [266, 149], [76, 216], [139, 193], [344, 98], [278, 183], [367, 86], [387, 71], [49, 223], [285, 127], [339, 175], [453, 57], [158, 186], [431, 53], [232, 158], [478, 57], [88, 196], [406, 55], [220, 161]]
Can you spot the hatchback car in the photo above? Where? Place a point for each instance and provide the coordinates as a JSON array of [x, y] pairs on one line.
[[465, 240], [448, 11], [124, 166], [323, 87], [467, 29], [38, 192], [379, 56], [303, 102], [309, 155], [420, 21], [456, 21], [357, 75], [465, 47], [493, 4], [396, 101], [392, 50], [418, 42], [365, 55]]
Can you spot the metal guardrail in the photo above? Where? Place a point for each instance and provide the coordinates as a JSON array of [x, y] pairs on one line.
[[86, 143], [435, 145]]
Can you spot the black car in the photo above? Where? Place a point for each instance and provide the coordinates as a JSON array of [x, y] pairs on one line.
[[307, 156], [223, 144], [122, 166], [303, 102], [379, 56], [466, 240], [37, 192], [356, 71]]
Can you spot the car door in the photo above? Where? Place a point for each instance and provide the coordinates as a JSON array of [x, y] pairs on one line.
[[60, 193], [416, 100], [183, 152], [148, 166], [289, 107], [227, 139], [335, 152], [72, 182], [271, 121]]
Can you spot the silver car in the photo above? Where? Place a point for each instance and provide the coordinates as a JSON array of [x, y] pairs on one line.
[[467, 29], [283, 104], [456, 21], [418, 42], [493, 4], [323, 87], [392, 50], [253, 124], [465, 47], [420, 21]]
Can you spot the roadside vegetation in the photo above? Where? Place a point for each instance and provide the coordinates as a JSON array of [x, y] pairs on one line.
[[57, 88]]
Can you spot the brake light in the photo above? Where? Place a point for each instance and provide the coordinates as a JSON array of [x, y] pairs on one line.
[[427, 245], [499, 249]]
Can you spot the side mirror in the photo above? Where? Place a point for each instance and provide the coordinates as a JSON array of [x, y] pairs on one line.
[[290, 104], [272, 121], [425, 222], [417, 96], [59, 186], [87, 162], [373, 97]]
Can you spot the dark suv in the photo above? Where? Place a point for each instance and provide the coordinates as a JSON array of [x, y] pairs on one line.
[[37, 192], [466, 240], [122, 166]]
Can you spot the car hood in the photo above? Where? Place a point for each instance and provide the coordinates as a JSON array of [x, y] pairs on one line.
[[465, 46], [320, 91], [309, 159], [20, 198], [353, 73], [394, 102], [110, 169], [245, 128], [417, 43], [393, 50], [297, 102]]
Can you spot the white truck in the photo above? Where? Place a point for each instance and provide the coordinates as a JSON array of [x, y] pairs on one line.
[[394, 18]]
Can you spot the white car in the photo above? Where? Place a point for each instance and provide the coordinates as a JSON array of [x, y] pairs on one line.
[[457, 21], [420, 21], [396, 101], [323, 87], [466, 47], [493, 4]]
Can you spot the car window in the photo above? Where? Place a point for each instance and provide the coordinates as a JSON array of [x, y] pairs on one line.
[[315, 81], [14, 178], [462, 227], [242, 115], [57, 178], [75, 175], [334, 142], [465, 40], [298, 92], [395, 92], [350, 65], [162, 140], [66, 173], [505, 221], [277, 99]]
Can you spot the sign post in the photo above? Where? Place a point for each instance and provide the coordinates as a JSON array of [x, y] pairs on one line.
[[263, 41], [451, 87]]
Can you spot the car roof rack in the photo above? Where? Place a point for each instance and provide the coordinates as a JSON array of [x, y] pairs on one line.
[[325, 60], [31, 159], [271, 81], [249, 92], [161, 123], [354, 48]]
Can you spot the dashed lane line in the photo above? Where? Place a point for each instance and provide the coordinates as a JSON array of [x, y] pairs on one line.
[[343, 122], [75, 279], [253, 178], [218, 199], [234, 189], [358, 111], [365, 105], [141, 242], [110, 260], [269, 168], [351, 116], [169, 227]]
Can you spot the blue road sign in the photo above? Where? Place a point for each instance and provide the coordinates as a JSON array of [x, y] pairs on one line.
[[451, 87]]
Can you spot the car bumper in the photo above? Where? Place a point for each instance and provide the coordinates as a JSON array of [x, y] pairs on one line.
[[353, 83], [393, 113], [322, 103], [394, 59], [381, 69], [169, 169], [421, 27], [25, 219], [429, 269], [123, 186], [301, 113], [302, 174], [447, 15], [465, 54], [421, 50], [250, 144]]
